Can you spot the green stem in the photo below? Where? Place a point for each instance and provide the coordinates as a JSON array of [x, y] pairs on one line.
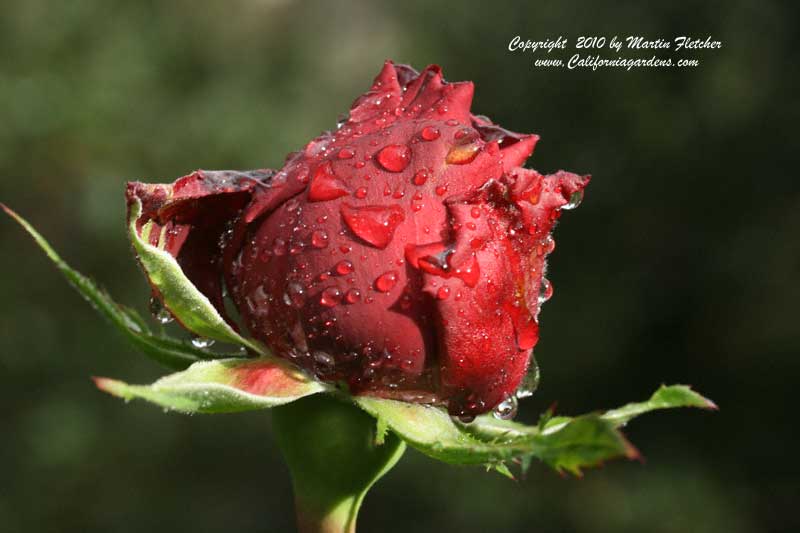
[[330, 447]]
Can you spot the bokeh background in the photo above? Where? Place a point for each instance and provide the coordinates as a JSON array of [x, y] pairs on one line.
[[682, 265]]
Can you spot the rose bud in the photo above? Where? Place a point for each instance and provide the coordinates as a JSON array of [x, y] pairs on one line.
[[402, 255]]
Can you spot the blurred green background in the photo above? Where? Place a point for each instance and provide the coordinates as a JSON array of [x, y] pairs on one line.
[[682, 265]]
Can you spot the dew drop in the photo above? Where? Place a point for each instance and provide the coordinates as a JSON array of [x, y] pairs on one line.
[[159, 312], [530, 382], [575, 200], [550, 244], [324, 363], [343, 267], [294, 295], [325, 185], [545, 291], [429, 133], [374, 224], [319, 239], [441, 189], [345, 153], [475, 212], [386, 281], [507, 409], [330, 297], [279, 246], [421, 177], [361, 193], [394, 157], [463, 132], [443, 293], [352, 296], [202, 342], [462, 154]]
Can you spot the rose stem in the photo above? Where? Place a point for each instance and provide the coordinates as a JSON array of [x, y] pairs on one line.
[[333, 458]]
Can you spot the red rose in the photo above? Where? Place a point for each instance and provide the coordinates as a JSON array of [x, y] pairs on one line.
[[403, 253]]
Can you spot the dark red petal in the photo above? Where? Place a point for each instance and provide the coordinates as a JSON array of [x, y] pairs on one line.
[[383, 97]]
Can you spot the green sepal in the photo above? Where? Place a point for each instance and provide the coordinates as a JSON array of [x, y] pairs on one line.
[[187, 304], [564, 443], [172, 353], [222, 386]]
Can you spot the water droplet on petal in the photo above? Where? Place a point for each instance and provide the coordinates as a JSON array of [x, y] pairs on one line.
[[463, 132], [530, 382], [325, 185], [386, 281], [361, 193], [279, 246], [324, 363], [550, 244], [352, 296], [344, 267], [525, 327], [443, 293], [545, 291], [462, 154], [374, 224], [319, 239], [507, 409], [330, 297], [421, 177], [429, 133], [575, 200], [294, 295], [394, 157], [470, 273], [345, 153]]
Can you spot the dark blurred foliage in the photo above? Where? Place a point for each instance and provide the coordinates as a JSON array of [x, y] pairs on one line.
[[682, 265]]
